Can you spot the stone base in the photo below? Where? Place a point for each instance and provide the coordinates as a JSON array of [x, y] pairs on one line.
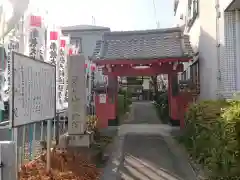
[[84, 140], [78, 140]]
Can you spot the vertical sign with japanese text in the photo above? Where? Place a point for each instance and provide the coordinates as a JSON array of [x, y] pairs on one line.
[[76, 95], [53, 57], [36, 37], [64, 44]]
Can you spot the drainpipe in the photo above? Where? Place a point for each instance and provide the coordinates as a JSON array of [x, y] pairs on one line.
[[218, 48], [237, 49]]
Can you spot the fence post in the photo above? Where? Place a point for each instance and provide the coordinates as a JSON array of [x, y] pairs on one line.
[[49, 144], [42, 131], [34, 141], [54, 129], [15, 140], [23, 144], [57, 128], [30, 138], [8, 156]]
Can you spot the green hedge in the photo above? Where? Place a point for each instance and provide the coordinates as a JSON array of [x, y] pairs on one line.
[[120, 106], [124, 101], [212, 136], [162, 107]]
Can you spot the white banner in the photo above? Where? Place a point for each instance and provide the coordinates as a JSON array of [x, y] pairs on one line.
[[52, 57], [64, 46]]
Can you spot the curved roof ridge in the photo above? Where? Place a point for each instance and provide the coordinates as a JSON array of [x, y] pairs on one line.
[[145, 44]]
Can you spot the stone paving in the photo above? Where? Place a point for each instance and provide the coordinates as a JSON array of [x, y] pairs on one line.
[[145, 150]]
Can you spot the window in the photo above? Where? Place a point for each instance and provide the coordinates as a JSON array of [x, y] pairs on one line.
[[193, 12], [77, 45], [184, 75], [194, 75]]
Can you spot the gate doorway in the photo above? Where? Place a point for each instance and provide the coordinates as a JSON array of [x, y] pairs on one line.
[[142, 53]]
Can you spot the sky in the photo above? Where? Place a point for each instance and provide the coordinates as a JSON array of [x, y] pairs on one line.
[[119, 15]]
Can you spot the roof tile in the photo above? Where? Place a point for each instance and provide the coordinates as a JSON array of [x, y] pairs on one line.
[[146, 44]]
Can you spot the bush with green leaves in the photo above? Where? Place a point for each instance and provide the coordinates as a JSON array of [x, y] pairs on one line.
[[212, 136], [124, 101], [162, 107]]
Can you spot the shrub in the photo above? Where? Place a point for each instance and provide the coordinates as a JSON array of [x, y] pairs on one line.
[[123, 103], [212, 137], [161, 104], [120, 105]]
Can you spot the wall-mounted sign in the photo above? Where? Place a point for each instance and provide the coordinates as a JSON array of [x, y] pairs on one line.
[[102, 98]]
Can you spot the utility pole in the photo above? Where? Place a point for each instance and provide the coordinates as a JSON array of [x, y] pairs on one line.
[[93, 21], [155, 14]]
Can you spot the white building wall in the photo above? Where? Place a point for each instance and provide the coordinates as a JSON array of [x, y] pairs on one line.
[[217, 62], [207, 50], [181, 11]]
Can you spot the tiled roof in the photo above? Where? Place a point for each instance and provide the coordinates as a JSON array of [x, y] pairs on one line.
[[145, 44], [84, 28]]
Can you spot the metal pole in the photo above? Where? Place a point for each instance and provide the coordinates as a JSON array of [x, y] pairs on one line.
[[42, 131], [15, 138], [49, 143], [54, 129], [23, 143], [57, 129], [34, 142]]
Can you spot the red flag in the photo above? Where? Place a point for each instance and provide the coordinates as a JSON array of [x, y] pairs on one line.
[[93, 68], [53, 35], [70, 52], [63, 43], [36, 21]]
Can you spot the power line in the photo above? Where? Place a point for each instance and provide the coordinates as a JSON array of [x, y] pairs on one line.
[[93, 21], [155, 14]]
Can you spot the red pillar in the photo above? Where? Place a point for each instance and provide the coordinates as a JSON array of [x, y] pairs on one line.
[[173, 98], [112, 94]]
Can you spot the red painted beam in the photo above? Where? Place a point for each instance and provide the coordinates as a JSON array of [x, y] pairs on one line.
[[140, 61], [151, 71]]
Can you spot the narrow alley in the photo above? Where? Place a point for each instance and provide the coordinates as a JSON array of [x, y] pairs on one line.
[[146, 151]]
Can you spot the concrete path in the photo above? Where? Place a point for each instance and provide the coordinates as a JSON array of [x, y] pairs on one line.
[[145, 150]]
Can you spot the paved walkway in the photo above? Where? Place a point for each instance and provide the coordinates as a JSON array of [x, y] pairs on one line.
[[145, 150]]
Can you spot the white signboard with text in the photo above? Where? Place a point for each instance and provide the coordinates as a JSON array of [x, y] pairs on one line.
[[76, 95], [102, 98], [33, 90]]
